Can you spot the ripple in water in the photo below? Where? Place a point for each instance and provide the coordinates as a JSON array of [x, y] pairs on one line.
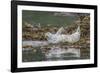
[[60, 53], [54, 53]]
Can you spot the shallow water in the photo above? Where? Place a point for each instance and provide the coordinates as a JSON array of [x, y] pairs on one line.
[[61, 53], [51, 53]]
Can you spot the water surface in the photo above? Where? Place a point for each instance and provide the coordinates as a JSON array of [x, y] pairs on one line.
[[42, 51]]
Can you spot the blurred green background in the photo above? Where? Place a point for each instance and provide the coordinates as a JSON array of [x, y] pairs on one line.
[[45, 18]]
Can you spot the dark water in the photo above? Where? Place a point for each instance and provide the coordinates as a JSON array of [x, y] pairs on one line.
[[30, 55], [38, 53], [45, 18]]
